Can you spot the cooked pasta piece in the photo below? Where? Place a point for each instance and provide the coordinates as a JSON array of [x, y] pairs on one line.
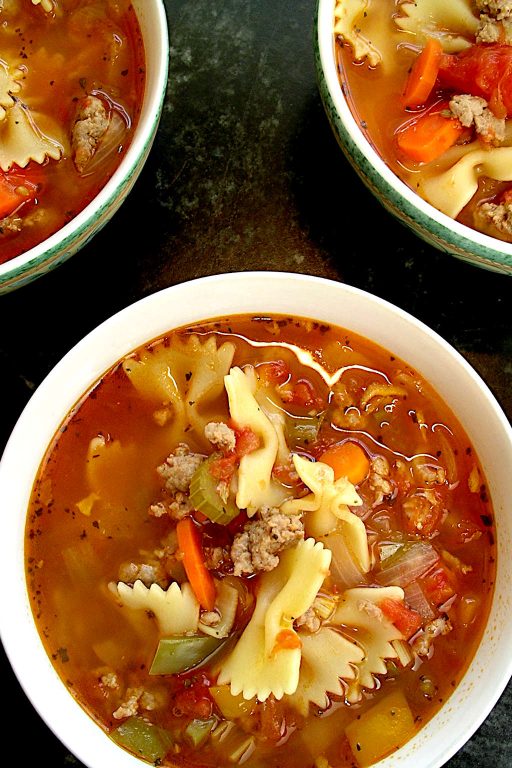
[[266, 658], [359, 609], [453, 23], [327, 507], [452, 189], [327, 656], [352, 22], [114, 477], [46, 5], [9, 85], [184, 377], [176, 609], [22, 141], [256, 487]]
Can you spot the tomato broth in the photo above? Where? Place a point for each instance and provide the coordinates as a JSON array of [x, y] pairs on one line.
[[261, 540]]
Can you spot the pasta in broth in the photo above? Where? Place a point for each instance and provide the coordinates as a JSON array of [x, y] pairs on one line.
[[283, 540], [71, 86], [440, 116]]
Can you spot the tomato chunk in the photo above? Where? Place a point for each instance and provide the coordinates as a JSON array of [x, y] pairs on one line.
[[481, 70]]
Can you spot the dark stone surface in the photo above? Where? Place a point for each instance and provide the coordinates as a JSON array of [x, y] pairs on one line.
[[245, 174]]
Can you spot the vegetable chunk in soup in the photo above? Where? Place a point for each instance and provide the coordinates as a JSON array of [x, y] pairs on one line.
[[71, 86], [431, 85], [260, 540]]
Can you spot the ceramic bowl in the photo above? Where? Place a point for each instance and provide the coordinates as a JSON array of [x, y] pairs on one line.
[[78, 232], [427, 222], [255, 292]]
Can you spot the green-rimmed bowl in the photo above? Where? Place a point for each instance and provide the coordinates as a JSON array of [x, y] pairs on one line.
[[427, 222], [67, 241]]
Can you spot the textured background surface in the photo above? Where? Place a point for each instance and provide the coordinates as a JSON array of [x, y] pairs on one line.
[[245, 174]]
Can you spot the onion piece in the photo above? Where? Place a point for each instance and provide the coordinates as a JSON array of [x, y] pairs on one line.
[[407, 564], [415, 599], [344, 569]]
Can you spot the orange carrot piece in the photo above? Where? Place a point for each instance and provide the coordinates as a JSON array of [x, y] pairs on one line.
[[423, 74], [429, 137], [9, 198], [200, 578], [347, 460]]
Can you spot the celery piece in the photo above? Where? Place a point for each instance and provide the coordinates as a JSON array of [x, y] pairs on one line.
[[205, 497], [197, 731], [178, 654], [148, 741]]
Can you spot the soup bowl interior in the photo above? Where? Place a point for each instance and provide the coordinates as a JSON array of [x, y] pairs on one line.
[[431, 225], [64, 243], [455, 381]]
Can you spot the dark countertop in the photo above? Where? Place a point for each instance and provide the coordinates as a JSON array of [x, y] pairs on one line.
[[245, 174]]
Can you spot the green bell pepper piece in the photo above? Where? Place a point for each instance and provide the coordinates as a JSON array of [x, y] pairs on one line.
[[148, 741], [179, 654]]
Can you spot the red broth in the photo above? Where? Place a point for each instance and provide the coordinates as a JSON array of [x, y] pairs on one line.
[[75, 81], [404, 596], [375, 84]]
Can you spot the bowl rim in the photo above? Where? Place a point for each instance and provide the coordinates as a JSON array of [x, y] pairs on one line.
[[138, 323], [54, 249], [469, 244]]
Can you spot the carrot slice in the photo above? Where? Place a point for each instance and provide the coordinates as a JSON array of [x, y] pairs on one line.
[[200, 578], [427, 138], [9, 198], [423, 74], [348, 460]]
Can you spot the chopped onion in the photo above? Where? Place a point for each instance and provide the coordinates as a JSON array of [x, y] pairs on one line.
[[407, 564], [225, 605], [415, 599], [344, 569]]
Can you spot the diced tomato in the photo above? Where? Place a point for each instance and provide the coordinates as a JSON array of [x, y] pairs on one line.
[[223, 468], [438, 586], [191, 696], [481, 70], [275, 372], [404, 618], [287, 639], [247, 441], [302, 393]]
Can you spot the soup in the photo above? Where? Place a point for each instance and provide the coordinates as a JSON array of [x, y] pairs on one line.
[[431, 86], [260, 541], [71, 87]]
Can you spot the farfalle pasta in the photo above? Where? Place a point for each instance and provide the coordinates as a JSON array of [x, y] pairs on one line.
[[72, 78], [444, 85], [266, 660], [255, 483], [267, 575], [176, 609], [454, 24]]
